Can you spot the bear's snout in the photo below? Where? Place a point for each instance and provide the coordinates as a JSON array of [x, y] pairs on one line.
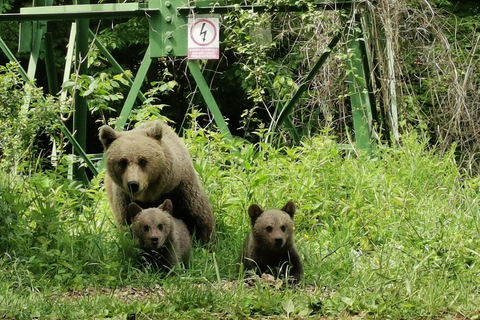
[[278, 242], [133, 186], [154, 240]]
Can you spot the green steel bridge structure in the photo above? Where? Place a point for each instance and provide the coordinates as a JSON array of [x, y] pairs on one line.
[[168, 37]]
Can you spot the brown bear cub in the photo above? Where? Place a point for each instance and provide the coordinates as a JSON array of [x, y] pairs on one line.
[[164, 239], [149, 164], [269, 247]]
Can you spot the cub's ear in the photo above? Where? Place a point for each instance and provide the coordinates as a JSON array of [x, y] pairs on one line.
[[254, 211], [107, 135], [133, 210], [289, 208], [166, 206], [155, 130]]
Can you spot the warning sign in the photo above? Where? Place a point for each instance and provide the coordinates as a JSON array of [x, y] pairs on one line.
[[203, 37]]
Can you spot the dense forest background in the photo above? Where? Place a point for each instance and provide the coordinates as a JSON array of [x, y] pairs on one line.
[[424, 62]]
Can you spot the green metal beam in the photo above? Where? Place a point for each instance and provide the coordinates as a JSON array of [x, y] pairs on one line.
[[304, 86], [25, 40], [37, 42], [50, 64], [359, 99], [83, 8], [134, 9], [367, 64], [167, 37], [78, 149], [12, 58], [278, 109], [168, 30], [207, 7], [208, 97], [134, 90], [69, 60], [81, 109], [81, 11], [289, 123]]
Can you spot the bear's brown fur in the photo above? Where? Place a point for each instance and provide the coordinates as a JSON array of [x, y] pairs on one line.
[[150, 164], [269, 247], [164, 239]]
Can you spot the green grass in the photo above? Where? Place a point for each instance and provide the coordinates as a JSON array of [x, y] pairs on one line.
[[391, 236]]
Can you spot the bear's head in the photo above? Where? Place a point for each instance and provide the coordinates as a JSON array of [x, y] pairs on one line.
[[151, 227], [272, 229], [135, 159]]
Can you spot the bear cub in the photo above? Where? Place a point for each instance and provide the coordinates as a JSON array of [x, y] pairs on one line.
[[269, 247], [164, 239]]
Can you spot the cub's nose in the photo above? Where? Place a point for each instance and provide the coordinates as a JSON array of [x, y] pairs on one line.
[[278, 242], [154, 240], [133, 186]]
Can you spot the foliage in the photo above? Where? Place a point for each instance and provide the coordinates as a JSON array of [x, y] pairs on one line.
[[13, 207], [101, 92], [425, 77], [49, 225], [274, 53], [428, 75], [437, 75], [394, 236], [26, 117]]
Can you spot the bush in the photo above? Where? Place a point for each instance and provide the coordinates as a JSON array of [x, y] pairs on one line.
[[29, 122]]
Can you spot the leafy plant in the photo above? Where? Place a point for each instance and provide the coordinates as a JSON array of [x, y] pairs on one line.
[[101, 92], [26, 118], [378, 235]]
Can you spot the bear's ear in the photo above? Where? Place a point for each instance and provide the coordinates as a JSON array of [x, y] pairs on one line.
[[107, 136], [289, 208], [166, 206], [254, 211], [155, 131], [133, 210]]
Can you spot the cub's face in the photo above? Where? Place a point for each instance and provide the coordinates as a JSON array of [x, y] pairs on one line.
[[273, 229], [151, 228]]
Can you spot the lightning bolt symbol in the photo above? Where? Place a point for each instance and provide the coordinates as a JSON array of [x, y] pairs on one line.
[[204, 32]]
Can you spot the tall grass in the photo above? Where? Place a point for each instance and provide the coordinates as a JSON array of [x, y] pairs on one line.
[[393, 235]]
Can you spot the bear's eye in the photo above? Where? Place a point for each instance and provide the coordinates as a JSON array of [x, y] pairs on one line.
[[123, 163], [160, 227], [269, 229], [284, 228], [142, 162], [146, 228]]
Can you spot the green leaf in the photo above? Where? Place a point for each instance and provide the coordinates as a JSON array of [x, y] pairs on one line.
[[259, 181], [348, 301], [288, 306], [172, 84]]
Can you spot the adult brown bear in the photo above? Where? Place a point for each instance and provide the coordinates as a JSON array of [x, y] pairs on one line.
[[150, 164]]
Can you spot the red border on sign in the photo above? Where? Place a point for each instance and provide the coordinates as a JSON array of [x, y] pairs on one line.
[[214, 34]]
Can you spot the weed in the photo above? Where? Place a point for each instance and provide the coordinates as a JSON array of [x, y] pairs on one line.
[[390, 236]]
